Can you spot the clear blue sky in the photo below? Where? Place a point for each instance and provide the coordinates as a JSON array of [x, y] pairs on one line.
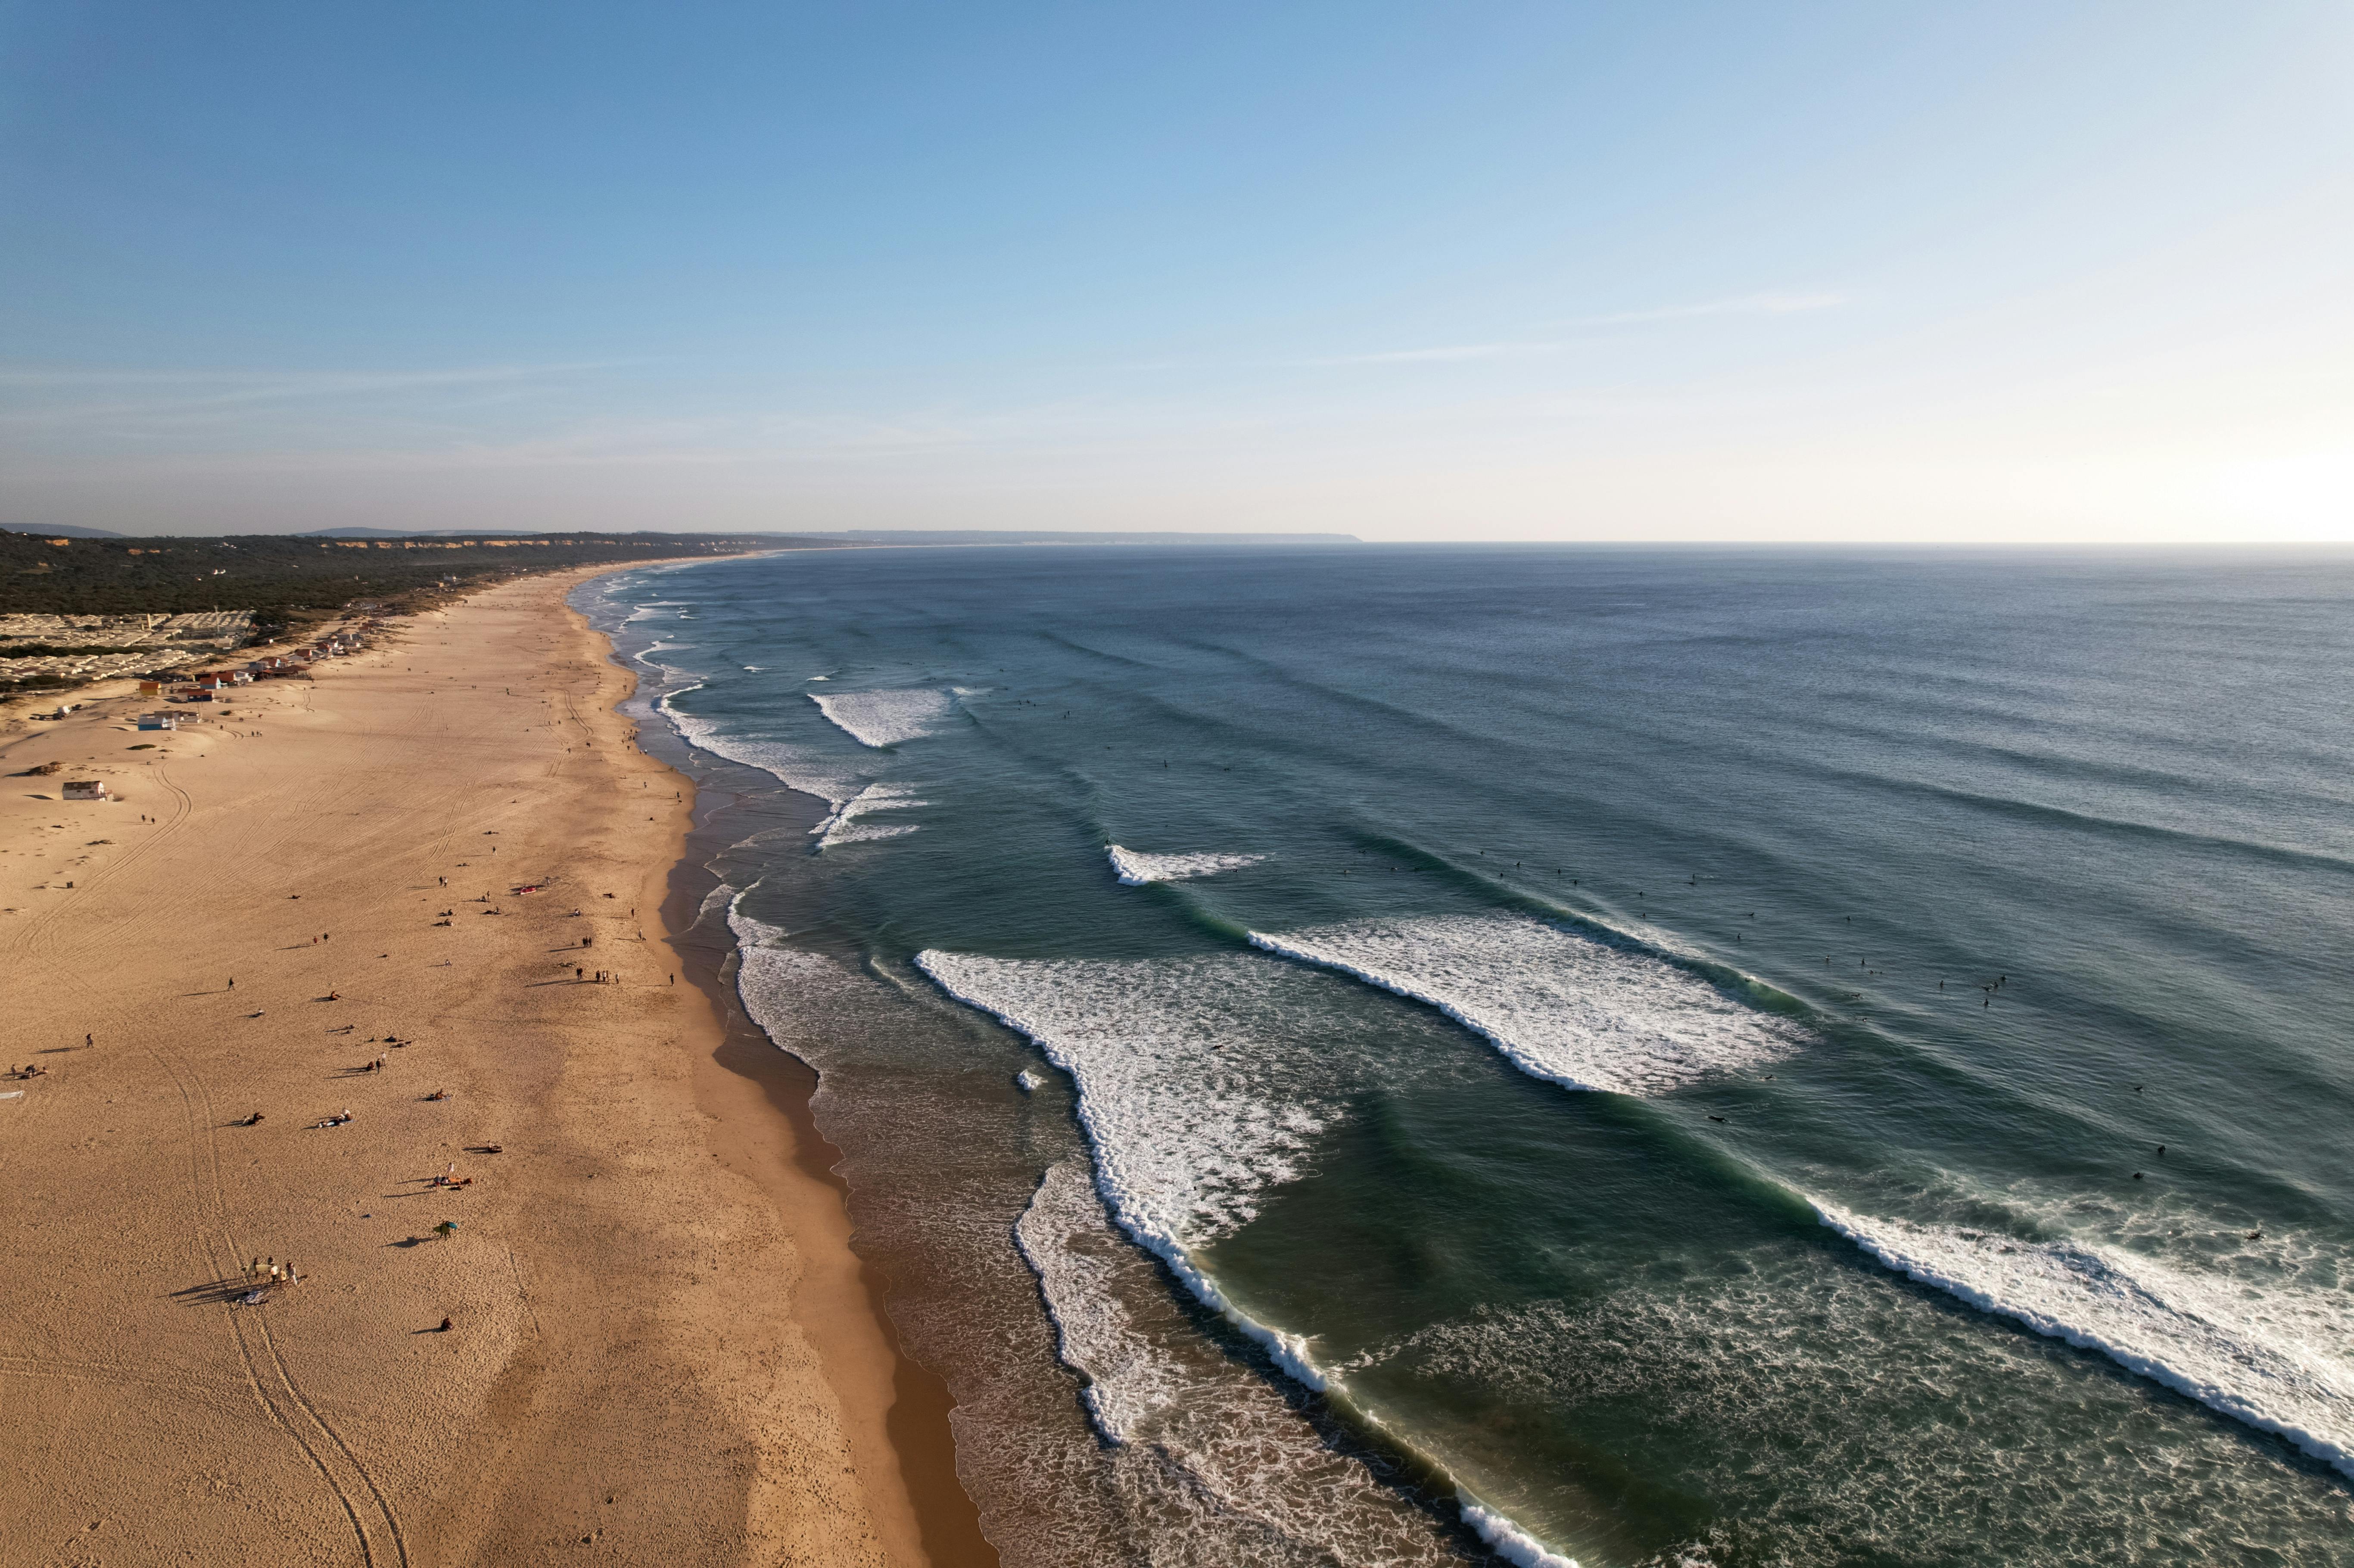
[[1652, 271]]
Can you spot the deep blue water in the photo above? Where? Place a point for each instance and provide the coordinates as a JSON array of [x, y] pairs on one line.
[[1623, 1055]]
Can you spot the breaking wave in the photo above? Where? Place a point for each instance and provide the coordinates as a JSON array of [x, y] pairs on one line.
[[1136, 868], [1210, 1457], [721, 898], [1510, 1542], [884, 718], [1562, 1007], [792, 766], [843, 826], [1198, 1090], [1125, 1383], [2274, 1362]]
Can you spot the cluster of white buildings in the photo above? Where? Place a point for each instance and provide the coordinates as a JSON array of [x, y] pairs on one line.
[[210, 686], [158, 642]]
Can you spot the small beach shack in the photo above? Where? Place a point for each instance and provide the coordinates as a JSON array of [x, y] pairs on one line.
[[159, 721], [86, 789]]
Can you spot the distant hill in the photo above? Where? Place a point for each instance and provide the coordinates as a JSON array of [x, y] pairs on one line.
[[435, 533], [1048, 537], [284, 579], [62, 531], [854, 536]]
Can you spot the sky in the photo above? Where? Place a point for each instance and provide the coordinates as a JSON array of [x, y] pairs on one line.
[[1995, 274]]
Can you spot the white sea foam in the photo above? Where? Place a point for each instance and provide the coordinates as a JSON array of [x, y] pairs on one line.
[[1779, 1327], [1510, 1542], [1559, 1006], [1137, 868], [719, 897], [843, 826], [1233, 1475], [885, 718], [2275, 1360], [793, 765], [1204, 1454], [1198, 1089], [866, 832], [1027, 1081], [1095, 1337]]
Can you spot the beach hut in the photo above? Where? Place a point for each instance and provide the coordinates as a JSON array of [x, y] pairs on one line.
[[86, 789], [159, 721]]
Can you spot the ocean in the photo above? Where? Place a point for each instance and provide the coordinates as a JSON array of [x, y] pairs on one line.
[[1370, 1056]]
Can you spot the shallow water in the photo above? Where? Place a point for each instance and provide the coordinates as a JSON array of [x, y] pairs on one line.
[[1631, 1057]]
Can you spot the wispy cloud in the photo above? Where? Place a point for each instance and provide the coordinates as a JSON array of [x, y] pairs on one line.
[[38, 395], [1746, 305]]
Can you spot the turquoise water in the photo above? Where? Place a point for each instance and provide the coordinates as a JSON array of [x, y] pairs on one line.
[[1637, 1057]]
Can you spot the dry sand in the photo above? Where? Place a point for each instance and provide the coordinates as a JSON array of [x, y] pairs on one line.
[[661, 1347]]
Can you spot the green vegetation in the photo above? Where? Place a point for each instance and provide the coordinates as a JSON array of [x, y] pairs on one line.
[[288, 581], [12, 650]]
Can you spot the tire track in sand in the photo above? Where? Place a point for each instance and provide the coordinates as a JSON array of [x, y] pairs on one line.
[[209, 1193], [288, 1408]]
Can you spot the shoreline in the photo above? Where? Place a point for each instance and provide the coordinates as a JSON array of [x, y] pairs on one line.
[[601, 1327], [761, 809], [751, 1070]]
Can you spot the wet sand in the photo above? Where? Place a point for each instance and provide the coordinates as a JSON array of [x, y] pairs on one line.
[[659, 1344]]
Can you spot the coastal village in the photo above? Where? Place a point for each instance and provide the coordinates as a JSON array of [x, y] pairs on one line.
[[183, 694], [67, 649]]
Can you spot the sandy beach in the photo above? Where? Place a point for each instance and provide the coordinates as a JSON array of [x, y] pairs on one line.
[[424, 888]]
